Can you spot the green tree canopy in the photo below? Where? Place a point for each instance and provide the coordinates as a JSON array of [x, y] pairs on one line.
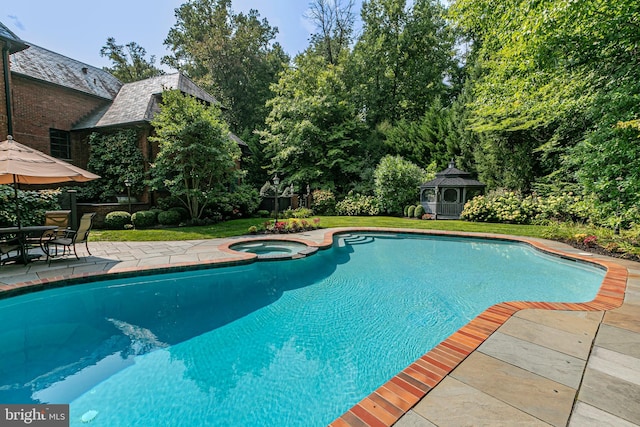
[[558, 76], [314, 133], [197, 159], [129, 62], [230, 55], [402, 59]]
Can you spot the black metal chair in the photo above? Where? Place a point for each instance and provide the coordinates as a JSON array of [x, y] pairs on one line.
[[71, 238], [7, 246]]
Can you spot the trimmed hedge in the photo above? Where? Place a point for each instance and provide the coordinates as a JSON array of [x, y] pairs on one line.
[[182, 211], [116, 220], [143, 219], [170, 217]]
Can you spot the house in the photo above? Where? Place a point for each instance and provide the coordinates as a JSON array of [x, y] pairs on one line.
[[53, 103]]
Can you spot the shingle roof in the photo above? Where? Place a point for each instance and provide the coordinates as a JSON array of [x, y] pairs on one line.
[[42, 64], [13, 42], [453, 177], [139, 101]]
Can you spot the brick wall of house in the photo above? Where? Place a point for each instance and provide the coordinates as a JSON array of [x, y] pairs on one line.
[[40, 106]]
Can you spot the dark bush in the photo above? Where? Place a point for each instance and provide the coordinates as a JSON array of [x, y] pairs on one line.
[[33, 205], [143, 219], [116, 220], [155, 212], [182, 211], [170, 217], [263, 213]]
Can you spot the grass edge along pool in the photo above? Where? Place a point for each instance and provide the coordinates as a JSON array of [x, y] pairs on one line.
[[158, 339]]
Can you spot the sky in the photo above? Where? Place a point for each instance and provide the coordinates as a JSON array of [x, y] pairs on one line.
[[78, 29]]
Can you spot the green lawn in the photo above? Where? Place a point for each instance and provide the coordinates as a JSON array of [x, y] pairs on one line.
[[240, 226], [627, 242]]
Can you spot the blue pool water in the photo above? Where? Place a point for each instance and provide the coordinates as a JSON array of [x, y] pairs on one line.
[[294, 342]]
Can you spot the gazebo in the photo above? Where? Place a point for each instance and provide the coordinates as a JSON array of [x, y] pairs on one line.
[[444, 197]]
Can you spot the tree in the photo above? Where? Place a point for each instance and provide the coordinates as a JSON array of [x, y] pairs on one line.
[[232, 56], [314, 133], [129, 62], [396, 183], [422, 142], [334, 21], [555, 77], [196, 162], [402, 59]]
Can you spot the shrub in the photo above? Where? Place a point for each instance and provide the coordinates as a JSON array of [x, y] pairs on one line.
[[324, 202], [263, 213], [155, 212], [418, 212], [33, 205], [144, 219], [358, 205], [510, 207], [170, 217], [244, 200], [286, 213], [292, 225], [498, 206], [411, 211], [116, 157], [406, 210], [396, 183], [116, 220], [167, 202], [182, 211], [302, 213], [253, 229]]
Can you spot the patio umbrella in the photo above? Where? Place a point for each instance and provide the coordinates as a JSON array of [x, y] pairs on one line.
[[20, 164]]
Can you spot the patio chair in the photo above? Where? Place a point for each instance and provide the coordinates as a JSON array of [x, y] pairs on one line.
[[7, 246], [58, 219], [71, 238]]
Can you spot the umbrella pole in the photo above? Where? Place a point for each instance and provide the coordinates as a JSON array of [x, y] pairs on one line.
[[15, 194]]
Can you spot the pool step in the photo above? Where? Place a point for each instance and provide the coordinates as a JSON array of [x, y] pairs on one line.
[[358, 240]]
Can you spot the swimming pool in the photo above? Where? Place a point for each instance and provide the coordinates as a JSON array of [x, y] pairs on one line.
[[313, 323]]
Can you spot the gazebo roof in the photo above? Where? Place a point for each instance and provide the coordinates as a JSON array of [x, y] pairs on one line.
[[452, 177]]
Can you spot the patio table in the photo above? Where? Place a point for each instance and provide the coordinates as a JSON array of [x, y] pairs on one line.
[[21, 234]]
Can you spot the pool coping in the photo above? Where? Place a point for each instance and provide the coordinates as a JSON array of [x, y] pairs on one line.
[[387, 404]]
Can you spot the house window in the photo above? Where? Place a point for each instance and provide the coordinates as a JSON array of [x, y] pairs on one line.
[[60, 143]]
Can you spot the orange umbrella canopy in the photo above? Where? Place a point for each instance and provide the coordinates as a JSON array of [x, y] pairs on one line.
[[24, 165]]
